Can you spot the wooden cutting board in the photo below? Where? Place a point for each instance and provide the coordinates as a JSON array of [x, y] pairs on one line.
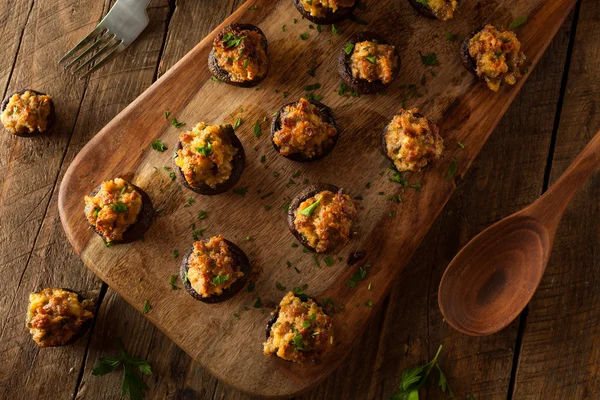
[[390, 232]]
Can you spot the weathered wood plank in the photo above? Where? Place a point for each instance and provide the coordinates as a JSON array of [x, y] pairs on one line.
[[560, 352], [27, 371], [29, 170], [13, 19]]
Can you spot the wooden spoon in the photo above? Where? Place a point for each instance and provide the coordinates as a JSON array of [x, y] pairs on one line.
[[491, 280]]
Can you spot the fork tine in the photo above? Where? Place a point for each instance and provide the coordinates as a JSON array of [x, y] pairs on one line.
[[115, 41], [93, 34], [117, 50], [103, 39]]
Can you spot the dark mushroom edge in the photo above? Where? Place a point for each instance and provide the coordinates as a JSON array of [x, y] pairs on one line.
[[275, 315], [465, 57], [330, 17], [84, 328], [240, 260], [142, 222], [310, 191], [221, 74], [239, 162], [327, 116], [51, 116], [361, 85]]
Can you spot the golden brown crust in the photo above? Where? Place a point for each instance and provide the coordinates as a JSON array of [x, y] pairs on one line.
[[57, 316], [206, 155], [241, 53], [443, 9], [329, 225], [321, 8], [372, 61], [497, 55], [113, 209], [304, 130], [26, 113], [212, 267], [411, 141], [302, 331]]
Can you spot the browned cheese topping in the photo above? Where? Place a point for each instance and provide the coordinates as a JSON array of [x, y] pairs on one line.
[[412, 141], [329, 225], [26, 113], [54, 316], [373, 61], [241, 54], [206, 156], [498, 56], [113, 209], [443, 9], [319, 8], [302, 331], [303, 130], [212, 267]]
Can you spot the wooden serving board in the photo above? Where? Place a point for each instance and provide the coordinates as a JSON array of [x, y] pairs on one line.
[[230, 348]]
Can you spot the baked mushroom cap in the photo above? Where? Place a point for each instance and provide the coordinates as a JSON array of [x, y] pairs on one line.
[[83, 328], [238, 164], [220, 73], [465, 56], [240, 260], [142, 223], [330, 17], [423, 9], [327, 116], [384, 132], [305, 194], [51, 116], [362, 85]]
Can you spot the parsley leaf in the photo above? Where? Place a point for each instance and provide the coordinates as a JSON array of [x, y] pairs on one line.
[[146, 307], [158, 146], [219, 279], [451, 171], [307, 212], [173, 282], [119, 207], [257, 130], [429, 60], [517, 23]]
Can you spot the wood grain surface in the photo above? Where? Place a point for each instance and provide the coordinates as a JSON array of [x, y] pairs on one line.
[[465, 110], [520, 362]]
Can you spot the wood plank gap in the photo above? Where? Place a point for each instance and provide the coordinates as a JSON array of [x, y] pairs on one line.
[[546, 183], [172, 8], [101, 295], [18, 50], [559, 105]]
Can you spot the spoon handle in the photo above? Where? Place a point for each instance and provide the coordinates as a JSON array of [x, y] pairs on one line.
[[550, 207]]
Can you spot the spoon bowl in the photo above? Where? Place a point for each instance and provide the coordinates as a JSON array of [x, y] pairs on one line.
[[491, 280], [502, 267]]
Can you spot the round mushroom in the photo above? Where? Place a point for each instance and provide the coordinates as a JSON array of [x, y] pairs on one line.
[[239, 55], [493, 55], [304, 131], [119, 211], [27, 113], [368, 63], [209, 159], [322, 218], [214, 270], [326, 12], [436, 9]]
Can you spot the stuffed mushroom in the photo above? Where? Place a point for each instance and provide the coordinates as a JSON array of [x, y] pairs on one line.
[[493, 55], [27, 113], [214, 270], [410, 141], [58, 317], [239, 55], [304, 131], [368, 63], [326, 12], [436, 9], [209, 159], [299, 331], [119, 211], [322, 218]]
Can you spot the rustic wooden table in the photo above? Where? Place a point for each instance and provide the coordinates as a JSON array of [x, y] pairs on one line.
[[551, 352]]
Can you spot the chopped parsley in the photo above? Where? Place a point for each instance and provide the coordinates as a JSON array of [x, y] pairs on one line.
[[451, 170], [230, 40], [219, 279], [307, 212], [280, 286], [304, 36], [202, 214], [299, 290], [329, 261], [147, 307], [241, 191], [314, 86], [238, 122], [450, 37], [349, 48], [257, 130], [517, 23], [119, 207], [176, 123], [372, 59], [196, 233], [173, 282], [258, 303], [460, 144], [359, 275], [429, 60], [158, 146], [175, 253]]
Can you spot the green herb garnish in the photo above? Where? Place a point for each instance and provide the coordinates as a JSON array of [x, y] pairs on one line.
[[146, 307], [257, 130], [119, 207], [517, 23], [304, 36], [349, 48], [173, 282], [451, 171], [429, 60], [158, 146], [307, 212], [219, 279]]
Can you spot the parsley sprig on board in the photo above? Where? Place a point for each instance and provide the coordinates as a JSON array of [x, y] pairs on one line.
[[414, 379], [132, 382]]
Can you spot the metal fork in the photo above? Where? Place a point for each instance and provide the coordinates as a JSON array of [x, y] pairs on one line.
[[117, 30]]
